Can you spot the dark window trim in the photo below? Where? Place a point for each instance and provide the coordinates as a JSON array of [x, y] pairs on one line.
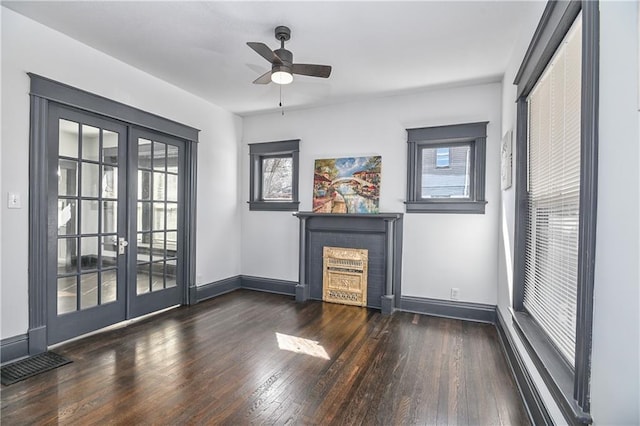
[[258, 151], [570, 390], [474, 134]]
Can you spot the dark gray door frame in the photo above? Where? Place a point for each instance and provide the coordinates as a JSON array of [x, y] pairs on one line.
[[43, 92]]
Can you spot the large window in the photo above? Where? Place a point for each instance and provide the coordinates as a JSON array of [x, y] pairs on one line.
[[553, 201], [446, 166], [274, 176], [556, 201]]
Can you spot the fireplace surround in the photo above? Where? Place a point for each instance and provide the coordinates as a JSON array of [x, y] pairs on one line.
[[380, 234]]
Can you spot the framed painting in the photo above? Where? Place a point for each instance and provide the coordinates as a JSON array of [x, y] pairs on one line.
[[347, 185]]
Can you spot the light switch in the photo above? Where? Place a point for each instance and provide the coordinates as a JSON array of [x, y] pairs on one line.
[[14, 201]]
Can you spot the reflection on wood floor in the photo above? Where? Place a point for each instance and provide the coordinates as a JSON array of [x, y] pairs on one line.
[[258, 358]]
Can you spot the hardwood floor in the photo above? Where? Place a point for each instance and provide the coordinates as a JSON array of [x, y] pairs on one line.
[[220, 362]]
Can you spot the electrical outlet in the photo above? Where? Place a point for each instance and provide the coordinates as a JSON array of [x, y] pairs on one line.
[[455, 293], [14, 200]]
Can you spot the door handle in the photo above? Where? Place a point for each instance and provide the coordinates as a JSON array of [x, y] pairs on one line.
[[122, 243]]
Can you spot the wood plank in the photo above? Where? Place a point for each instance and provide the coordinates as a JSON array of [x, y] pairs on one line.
[[219, 362]]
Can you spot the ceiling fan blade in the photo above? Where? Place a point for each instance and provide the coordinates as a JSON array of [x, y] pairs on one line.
[[312, 70], [263, 79], [264, 51]]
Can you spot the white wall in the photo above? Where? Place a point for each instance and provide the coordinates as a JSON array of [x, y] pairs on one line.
[[615, 396], [28, 46], [615, 368], [440, 250]]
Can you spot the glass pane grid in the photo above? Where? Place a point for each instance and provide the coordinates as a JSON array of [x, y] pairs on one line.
[[157, 210], [87, 217]]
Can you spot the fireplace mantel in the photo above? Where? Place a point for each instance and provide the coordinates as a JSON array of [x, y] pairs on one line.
[[380, 233]]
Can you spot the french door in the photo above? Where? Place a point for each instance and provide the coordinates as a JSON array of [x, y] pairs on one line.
[[115, 203]]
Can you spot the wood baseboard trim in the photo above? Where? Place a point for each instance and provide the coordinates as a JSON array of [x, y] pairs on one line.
[[536, 409], [14, 347], [467, 311], [217, 288], [269, 285]]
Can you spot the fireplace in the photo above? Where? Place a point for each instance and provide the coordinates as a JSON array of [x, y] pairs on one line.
[[379, 234], [344, 275]]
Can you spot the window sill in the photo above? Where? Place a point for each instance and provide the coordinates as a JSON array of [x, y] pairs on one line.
[[557, 375], [281, 206], [445, 206]]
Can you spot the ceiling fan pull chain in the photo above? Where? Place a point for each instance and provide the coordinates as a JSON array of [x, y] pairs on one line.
[[280, 104]]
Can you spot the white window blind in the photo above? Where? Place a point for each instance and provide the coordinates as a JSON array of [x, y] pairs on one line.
[[551, 253]]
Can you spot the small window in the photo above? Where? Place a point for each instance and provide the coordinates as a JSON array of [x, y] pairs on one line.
[[446, 169], [446, 179], [274, 176], [277, 176]]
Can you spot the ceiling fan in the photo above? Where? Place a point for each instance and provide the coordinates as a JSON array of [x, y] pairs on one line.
[[282, 66]]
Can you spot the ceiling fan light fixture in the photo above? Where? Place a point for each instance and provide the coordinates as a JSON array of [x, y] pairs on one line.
[[281, 74]]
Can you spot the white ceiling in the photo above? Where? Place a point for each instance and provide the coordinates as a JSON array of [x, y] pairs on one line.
[[375, 48]]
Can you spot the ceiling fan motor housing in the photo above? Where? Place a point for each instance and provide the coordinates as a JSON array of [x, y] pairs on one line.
[[285, 56], [283, 33]]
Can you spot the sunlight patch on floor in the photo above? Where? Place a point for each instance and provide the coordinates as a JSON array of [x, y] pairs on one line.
[[301, 345]]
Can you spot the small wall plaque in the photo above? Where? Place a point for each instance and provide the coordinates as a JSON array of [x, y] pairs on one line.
[[506, 159]]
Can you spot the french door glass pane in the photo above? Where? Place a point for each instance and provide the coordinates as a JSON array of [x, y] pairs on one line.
[[171, 273], [67, 177], [89, 216], [172, 244], [158, 216], [90, 143], [109, 217], [89, 250], [158, 186], [88, 290], [144, 185], [110, 182], [109, 286], [144, 216], [172, 215], [67, 255], [67, 294], [90, 180], [67, 217], [68, 136], [142, 278], [157, 276], [172, 159], [109, 255], [144, 154], [109, 147], [172, 187], [159, 156]]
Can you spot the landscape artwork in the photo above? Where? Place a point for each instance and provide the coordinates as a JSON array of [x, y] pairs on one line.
[[347, 185]]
